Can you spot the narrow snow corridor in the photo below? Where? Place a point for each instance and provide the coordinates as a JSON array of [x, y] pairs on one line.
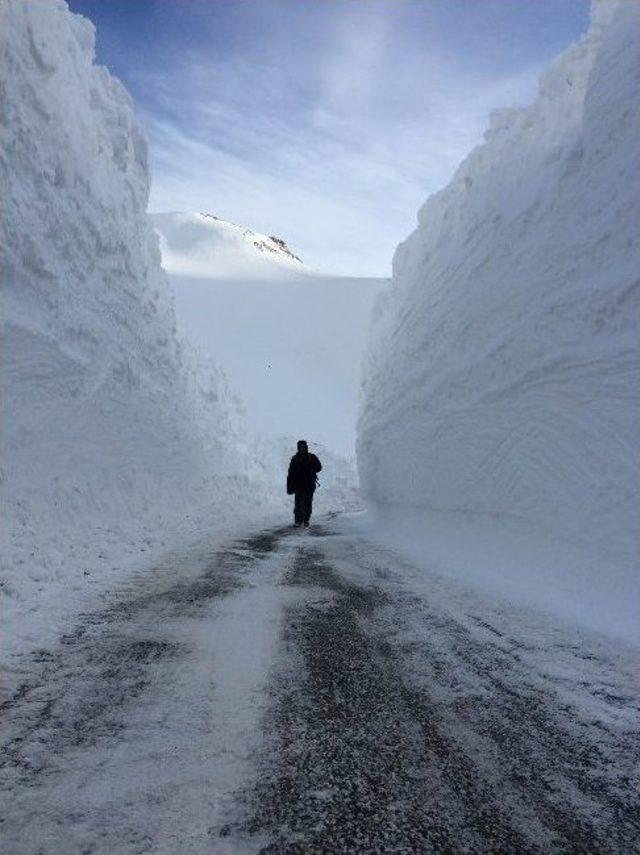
[[443, 657], [293, 692]]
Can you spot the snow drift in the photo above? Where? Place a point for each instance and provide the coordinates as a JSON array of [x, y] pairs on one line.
[[502, 373], [112, 433], [203, 245], [291, 342]]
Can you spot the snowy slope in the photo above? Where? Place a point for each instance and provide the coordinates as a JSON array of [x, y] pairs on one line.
[[290, 344], [112, 433], [203, 245], [502, 374]]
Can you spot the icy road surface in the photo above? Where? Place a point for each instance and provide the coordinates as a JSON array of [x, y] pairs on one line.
[[307, 692]]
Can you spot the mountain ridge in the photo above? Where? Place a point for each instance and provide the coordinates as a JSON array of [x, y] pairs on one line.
[[205, 245]]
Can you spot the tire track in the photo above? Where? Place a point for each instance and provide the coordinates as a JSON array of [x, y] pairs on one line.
[[362, 760], [82, 691]]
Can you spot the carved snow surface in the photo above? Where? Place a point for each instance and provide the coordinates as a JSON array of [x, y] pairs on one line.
[[502, 377]]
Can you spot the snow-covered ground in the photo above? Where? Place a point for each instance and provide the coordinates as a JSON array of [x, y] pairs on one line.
[[309, 692], [499, 433], [117, 441], [290, 342]]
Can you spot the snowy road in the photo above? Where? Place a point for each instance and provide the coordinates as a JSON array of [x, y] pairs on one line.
[[308, 692]]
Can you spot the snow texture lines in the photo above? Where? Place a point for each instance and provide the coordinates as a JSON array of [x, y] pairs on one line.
[[502, 370]]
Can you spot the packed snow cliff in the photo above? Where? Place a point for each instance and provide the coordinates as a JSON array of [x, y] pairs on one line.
[[500, 407], [112, 435], [205, 246]]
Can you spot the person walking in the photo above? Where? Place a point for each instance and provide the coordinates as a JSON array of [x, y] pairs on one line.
[[301, 482]]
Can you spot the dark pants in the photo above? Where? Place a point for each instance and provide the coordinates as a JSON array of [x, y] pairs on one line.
[[303, 506]]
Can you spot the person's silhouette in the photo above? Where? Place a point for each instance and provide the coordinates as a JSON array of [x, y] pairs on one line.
[[301, 482]]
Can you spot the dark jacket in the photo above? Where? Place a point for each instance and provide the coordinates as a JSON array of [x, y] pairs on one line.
[[303, 470]]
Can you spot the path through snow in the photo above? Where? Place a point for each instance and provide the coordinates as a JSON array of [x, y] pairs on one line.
[[302, 692]]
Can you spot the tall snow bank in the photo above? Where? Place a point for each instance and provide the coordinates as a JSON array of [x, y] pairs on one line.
[[111, 434], [502, 373]]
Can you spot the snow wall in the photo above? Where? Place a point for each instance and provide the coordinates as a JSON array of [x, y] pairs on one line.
[[501, 378], [112, 435]]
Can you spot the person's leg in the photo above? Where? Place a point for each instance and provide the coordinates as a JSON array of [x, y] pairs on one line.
[[308, 507], [298, 509]]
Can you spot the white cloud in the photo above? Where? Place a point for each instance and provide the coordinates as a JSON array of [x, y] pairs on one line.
[[334, 144]]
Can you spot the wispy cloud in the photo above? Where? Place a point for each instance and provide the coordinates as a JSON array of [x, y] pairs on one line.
[[331, 131]]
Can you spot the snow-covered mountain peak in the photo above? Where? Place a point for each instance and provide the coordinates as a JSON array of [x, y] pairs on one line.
[[204, 245], [263, 243]]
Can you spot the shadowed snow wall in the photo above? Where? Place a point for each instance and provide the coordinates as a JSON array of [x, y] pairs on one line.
[[502, 368], [111, 433]]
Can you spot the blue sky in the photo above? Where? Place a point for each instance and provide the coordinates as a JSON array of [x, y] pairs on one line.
[[326, 122]]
